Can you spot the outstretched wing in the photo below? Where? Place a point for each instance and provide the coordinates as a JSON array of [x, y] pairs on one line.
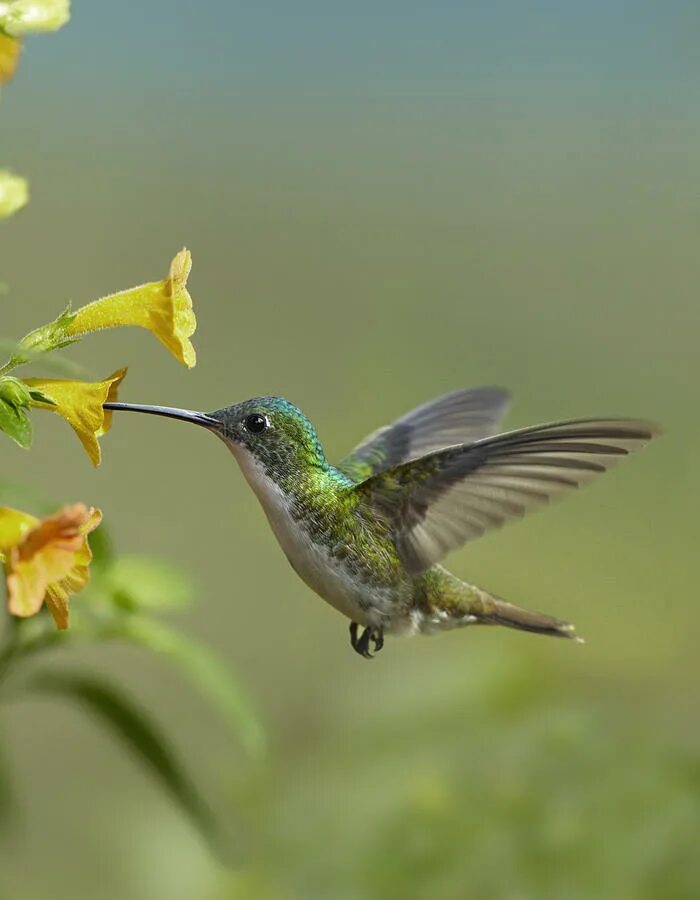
[[456, 418], [437, 503]]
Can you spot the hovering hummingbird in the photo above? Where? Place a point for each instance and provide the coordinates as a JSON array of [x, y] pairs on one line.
[[368, 533]]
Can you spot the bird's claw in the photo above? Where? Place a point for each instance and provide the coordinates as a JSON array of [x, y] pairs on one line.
[[361, 644]]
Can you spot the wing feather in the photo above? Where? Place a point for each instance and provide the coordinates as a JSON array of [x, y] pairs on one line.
[[438, 502], [459, 417]]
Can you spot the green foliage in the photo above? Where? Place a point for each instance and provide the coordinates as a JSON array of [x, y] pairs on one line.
[[118, 605], [140, 583], [205, 671], [15, 400], [16, 424], [16, 397], [124, 592], [135, 727], [504, 789], [8, 807]]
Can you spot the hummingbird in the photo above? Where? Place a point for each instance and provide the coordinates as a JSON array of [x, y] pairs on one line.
[[368, 533]]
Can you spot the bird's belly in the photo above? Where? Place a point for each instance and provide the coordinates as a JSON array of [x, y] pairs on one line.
[[335, 585], [329, 576]]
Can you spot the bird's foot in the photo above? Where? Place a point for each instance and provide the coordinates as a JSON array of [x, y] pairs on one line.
[[361, 644]]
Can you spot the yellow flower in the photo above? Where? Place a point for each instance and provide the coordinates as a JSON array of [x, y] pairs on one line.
[[80, 404], [164, 307], [46, 560], [27, 16], [9, 56], [14, 192]]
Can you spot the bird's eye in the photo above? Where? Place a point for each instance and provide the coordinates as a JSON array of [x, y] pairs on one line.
[[255, 423]]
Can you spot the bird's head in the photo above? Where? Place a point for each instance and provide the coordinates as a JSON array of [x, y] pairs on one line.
[[268, 432], [271, 430]]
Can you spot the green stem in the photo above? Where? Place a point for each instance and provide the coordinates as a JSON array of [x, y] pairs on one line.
[[8, 652], [16, 650]]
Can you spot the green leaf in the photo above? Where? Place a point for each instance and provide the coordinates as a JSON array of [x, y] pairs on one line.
[[14, 392], [137, 731], [138, 583], [14, 403], [15, 422], [38, 397], [206, 671]]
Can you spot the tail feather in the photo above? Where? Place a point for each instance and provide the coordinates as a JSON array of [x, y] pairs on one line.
[[452, 603], [500, 612]]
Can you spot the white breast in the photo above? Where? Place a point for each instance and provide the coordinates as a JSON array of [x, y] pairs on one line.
[[325, 575]]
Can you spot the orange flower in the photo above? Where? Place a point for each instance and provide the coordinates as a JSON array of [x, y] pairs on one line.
[[46, 560]]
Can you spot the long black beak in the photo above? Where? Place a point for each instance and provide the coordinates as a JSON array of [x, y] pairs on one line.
[[185, 415]]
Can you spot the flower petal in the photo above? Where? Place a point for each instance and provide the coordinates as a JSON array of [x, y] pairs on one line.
[[14, 192], [26, 585], [14, 525], [27, 16], [58, 593], [173, 318], [48, 560], [9, 56], [80, 404], [163, 307]]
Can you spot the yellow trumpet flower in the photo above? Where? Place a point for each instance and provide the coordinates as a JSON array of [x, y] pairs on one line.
[[14, 192], [163, 307], [9, 56], [28, 16], [80, 404], [46, 560]]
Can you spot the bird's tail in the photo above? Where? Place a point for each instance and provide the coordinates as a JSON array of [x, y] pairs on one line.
[[500, 612], [453, 603]]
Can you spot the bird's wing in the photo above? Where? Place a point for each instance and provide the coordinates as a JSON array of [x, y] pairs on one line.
[[438, 502], [456, 418]]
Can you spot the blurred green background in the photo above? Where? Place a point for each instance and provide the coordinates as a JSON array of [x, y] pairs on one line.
[[384, 201]]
